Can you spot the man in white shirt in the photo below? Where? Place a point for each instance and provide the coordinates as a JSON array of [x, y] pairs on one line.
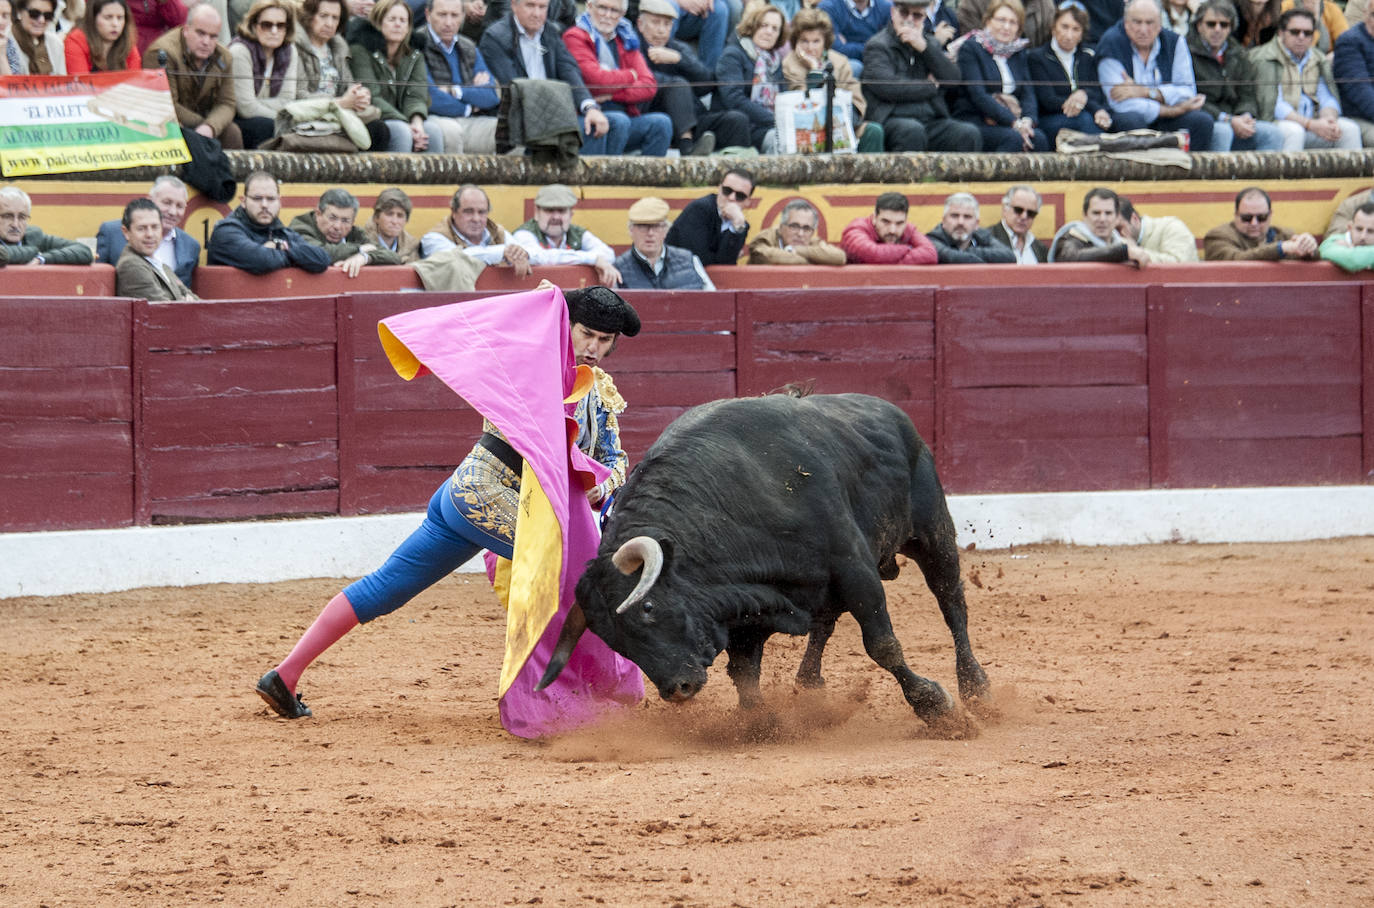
[[469, 228], [1019, 207], [551, 238]]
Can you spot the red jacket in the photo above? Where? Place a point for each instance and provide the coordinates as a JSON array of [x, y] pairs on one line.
[[862, 246], [78, 51], [631, 85]]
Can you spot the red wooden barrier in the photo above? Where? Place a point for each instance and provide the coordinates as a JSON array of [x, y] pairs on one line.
[[871, 340], [239, 410], [66, 413], [60, 280], [1043, 389], [221, 282], [1255, 386]]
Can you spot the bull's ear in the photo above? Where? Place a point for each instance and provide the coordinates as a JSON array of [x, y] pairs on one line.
[[573, 627]]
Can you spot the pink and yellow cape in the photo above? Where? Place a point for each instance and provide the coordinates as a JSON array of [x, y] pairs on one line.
[[511, 359]]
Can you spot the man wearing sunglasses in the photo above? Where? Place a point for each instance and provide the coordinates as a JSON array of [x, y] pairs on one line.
[[1251, 235], [1227, 78], [1297, 88], [713, 227], [1019, 207]]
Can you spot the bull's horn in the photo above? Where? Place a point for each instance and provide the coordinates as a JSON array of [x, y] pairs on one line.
[[573, 626], [641, 550]]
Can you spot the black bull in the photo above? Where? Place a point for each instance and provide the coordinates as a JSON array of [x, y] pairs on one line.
[[772, 515]]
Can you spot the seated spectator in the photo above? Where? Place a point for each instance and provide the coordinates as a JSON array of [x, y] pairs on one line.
[[885, 237], [1038, 27], [325, 68], [902, 75], [198, 69], [387, 228], [474, 20], [469, 227], [331, 227], [175, 248], [1345, 212], [606, 48], [1352, 64], [811, 37], [713, 227], [1102, 15], [12, 61], [1095, 238], [396, 75], [153, 19], [561, 15], [1250, 235], [463, 98], [1161, 239], [707, 21], [683, 80], [942, 23], [551, 238], [253, 238], [797, 240], [42, 49], [652, 264], [503, 46], [749, 74], [1227, 77], [958, 240], [1178, 16], [1064, 73], [855, 21], [1331, 22], [1020, 206], [21, 244], [265, 69], [1257, 21], [1353, 250], [1147, 76], [139, 274], [1297, 89], [997, 97], [104, 42]]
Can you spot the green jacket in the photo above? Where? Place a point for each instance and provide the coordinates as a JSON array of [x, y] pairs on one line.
[[1336, 248], [399, 92], [54, 249], [304, 224], [1269, 75]]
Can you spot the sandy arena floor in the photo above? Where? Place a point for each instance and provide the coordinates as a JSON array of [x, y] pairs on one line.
[[1183, 725]]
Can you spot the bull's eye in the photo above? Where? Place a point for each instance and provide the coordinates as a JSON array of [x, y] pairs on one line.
[[648, 606]]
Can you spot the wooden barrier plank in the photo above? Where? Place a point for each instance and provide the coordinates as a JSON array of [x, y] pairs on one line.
[[57, 333], [39, 446], [673, 388], [889, 342], [247, 507], [270, 418], [62, 281], [57, 500], [1301, 395], [388, 491], [682, 313], [218, 373], [193, 472], [861, 304], [73, 392], [378, 387], [399, 438], [240, 324], [1083, 463], [1049, 412]]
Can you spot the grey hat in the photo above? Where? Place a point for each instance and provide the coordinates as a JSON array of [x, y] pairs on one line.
[[555, 195], [602, 309], [658, 8]]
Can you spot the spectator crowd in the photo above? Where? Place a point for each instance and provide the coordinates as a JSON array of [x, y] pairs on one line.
[[156, 259], [694, 77]]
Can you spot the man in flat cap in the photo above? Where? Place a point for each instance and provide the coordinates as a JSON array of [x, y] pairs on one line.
[[551, 238], [651, 264]]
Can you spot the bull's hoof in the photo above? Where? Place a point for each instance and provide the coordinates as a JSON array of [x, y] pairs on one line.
[[953, 726], [810, 682], [973, 683]]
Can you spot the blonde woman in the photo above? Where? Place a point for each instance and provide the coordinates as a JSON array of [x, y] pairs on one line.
[[266, 71]]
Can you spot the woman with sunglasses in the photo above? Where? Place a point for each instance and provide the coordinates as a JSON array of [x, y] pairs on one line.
[[105, 40], [41, 47], [266, 72], [750, 72], [396, 75], [998, 97], [1065, 77]]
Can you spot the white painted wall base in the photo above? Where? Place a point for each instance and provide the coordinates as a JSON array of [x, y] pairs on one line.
[[101, 561]]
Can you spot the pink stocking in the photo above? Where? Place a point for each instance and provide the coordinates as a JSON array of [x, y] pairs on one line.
[[337, 619]]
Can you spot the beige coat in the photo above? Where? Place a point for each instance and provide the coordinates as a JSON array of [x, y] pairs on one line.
[[765, 249]]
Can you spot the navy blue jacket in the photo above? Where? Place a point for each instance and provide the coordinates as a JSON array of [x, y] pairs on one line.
[[735, 73], [501, 49], [239, 242], [110, 242], [1353, 66], [982, 79], [1052, 82]]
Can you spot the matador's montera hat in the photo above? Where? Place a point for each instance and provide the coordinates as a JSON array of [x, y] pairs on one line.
[[602, 309]]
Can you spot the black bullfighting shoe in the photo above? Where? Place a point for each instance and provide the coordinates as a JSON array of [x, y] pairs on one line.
[[273, 690]]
